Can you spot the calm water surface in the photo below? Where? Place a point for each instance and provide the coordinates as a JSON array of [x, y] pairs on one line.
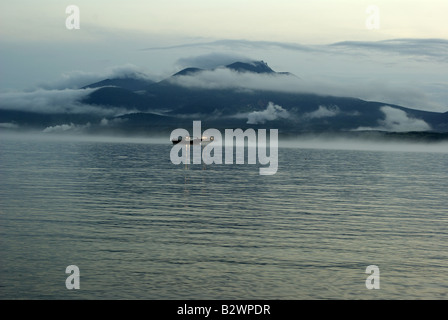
[[139, 227]]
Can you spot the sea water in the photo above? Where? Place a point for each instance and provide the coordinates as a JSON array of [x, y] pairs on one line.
[[139, 227]]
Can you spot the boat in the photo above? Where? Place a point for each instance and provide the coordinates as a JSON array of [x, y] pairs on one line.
[[186, 140]]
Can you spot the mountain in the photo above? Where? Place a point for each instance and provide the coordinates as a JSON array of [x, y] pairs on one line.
[[254, 67], [258, 67], [133, 104], [117, 97], [128, 83], [187, 72]]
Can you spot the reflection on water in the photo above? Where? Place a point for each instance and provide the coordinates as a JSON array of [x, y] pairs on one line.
[[139, 227]]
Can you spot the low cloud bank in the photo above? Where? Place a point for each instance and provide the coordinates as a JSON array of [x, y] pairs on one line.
[[54, 101], [223, 78], [8, 125], [409, 94]]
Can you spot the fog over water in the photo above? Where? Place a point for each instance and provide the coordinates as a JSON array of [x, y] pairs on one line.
[[305, 141]]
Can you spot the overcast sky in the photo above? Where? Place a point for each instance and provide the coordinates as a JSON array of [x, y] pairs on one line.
[[325, 43]]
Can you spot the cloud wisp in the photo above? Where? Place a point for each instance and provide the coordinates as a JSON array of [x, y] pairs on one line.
[[66, 128], [232, 44], [397, 120], [323, 112], [78, 79], [272, 112], [211, 60]]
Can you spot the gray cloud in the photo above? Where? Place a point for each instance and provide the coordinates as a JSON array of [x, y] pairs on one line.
[[211, 60], [430, 48], [71, 80], [409, 95], [422, 48], [397, 71]]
